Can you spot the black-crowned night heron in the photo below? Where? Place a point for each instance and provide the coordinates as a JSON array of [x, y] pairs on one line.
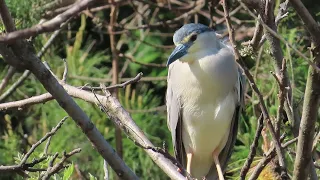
[[204, 97]]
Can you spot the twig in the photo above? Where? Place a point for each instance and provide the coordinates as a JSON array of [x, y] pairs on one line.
[[47, 96], [65, 72], [253, 148], [258, 32], [34, 146], [58, 166], [123, 85], [108, 80], [7, 78], [281, 96], [45, 151], [48, 26]]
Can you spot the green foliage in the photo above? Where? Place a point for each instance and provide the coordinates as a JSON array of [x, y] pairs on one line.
[[87, 54], [20, 10]]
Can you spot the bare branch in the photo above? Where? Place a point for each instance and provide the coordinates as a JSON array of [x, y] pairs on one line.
[[303, 160], [123, 85], [65, 72], [7, 78], [47, 96], [58, 166], [108, 80], [253, 148], [48, 26]]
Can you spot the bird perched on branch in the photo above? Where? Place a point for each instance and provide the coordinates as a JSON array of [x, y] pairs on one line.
[[204, 97]]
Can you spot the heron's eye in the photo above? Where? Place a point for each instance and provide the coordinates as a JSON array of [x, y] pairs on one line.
[[193, 38]]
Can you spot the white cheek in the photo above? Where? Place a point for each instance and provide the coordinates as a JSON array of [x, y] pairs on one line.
[[194, 48]]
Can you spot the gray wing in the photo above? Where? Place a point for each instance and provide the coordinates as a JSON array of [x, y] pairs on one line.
[[174, 121], [226, 152]]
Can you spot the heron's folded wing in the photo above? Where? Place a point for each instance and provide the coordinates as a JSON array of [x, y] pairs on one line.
[[174, 120], [226, 152]]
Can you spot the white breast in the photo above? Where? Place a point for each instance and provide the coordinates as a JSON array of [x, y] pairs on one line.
[[206, 91]]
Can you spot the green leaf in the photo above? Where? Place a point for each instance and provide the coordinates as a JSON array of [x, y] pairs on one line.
[[92, 177], [68, 172]]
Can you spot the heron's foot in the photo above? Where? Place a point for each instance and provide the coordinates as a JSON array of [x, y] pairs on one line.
[[189, 158], [215, 156]]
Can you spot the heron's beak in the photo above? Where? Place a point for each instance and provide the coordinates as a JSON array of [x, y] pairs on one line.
[[178, 52]]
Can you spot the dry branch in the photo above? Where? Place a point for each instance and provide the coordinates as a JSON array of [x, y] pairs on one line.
[[48, 26], [58, 166]]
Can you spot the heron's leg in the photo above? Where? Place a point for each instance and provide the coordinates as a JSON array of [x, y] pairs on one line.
[[215, 155], [189, 159]]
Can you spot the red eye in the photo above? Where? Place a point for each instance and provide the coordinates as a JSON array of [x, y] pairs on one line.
[[193, 37]]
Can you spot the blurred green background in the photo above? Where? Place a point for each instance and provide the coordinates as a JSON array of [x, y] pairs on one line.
[[85, 44]]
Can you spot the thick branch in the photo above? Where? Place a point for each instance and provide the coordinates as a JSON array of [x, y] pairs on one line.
[[303, 160], [307, 127]]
